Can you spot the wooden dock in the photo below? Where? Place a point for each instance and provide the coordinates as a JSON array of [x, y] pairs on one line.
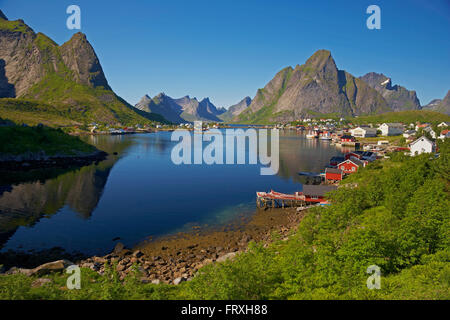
[[275, 199], [311, 195]]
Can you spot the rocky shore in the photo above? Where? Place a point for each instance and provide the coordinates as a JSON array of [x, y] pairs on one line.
[[177, 258], [174, 259]]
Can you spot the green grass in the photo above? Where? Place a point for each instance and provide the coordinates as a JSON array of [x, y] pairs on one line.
[[15, 26], [410, 116], [394, 140], [33, 112], [85, 104], [16, 140]]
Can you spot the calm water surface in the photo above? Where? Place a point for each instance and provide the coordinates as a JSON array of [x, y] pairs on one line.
[[140, 193]]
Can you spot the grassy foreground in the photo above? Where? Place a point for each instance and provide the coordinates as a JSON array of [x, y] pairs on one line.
[[397, 217]]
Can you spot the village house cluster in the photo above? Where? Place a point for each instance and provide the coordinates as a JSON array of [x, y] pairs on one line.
[[347, 134], [368, 140]]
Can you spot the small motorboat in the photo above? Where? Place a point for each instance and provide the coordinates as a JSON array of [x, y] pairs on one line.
[[309, 174]]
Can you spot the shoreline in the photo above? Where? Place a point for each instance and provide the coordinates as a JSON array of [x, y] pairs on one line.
[[177, 257], [21, 164]]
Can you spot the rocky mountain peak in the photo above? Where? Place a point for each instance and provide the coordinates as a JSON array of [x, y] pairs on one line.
[[315, 86], [397, 97], [2, 15], [321, 60], [377, 80], [33, 66], [79, 55], [184, 109], [236, 109], [440, 105], [146, 98]]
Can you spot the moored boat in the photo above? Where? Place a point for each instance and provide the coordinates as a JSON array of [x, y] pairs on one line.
[[312, 134]]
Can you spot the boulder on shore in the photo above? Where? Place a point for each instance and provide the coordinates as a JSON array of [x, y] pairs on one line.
[[226, 257], [45, 268]]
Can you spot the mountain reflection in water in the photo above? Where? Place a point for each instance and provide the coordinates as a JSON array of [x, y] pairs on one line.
[[139, 192]]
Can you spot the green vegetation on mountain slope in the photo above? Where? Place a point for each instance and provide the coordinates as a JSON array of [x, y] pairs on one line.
[[397, 218], [267, 114], [33, 112], [410, 116], [82, 103], [64, 83], [16, 140], [317, 86]]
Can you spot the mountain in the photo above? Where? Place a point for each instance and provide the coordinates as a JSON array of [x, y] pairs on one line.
[[397, 97], [433, 104], [180, 110], [236, 109], [438, 105], [69, 77], [317, 87]]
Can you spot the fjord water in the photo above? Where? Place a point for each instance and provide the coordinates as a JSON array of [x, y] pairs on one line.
[[139, 193]]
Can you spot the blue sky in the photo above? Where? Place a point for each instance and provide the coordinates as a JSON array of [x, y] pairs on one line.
[[228, 49]]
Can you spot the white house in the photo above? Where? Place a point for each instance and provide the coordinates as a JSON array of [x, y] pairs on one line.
[[443, 124], [409, 133], [391, 129], [445, 134], [422, 145], [363, 132], [430, 131], [421, 126]]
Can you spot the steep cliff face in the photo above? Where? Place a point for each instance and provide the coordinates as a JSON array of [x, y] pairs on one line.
[[79, 56], [29, 57], [69, 77], [21, 57], [313, 88], [180, 110], [397, 97], [432, 105], [439, 105], [444, 106]]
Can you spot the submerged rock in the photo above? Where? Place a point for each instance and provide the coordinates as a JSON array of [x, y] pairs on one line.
[[119, 248]]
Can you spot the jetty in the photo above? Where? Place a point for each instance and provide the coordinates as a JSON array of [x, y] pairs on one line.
[[310, 195]]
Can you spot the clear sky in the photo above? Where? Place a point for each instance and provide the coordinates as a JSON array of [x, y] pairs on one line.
[[226, 50]]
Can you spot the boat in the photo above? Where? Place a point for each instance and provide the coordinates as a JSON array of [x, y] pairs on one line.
[[325, 136], [312, 134]]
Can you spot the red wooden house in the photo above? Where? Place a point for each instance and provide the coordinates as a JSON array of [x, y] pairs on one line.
[[350, 165], [348, 138], [333, 174], [334, 161], [354, 154], [316, 193]]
